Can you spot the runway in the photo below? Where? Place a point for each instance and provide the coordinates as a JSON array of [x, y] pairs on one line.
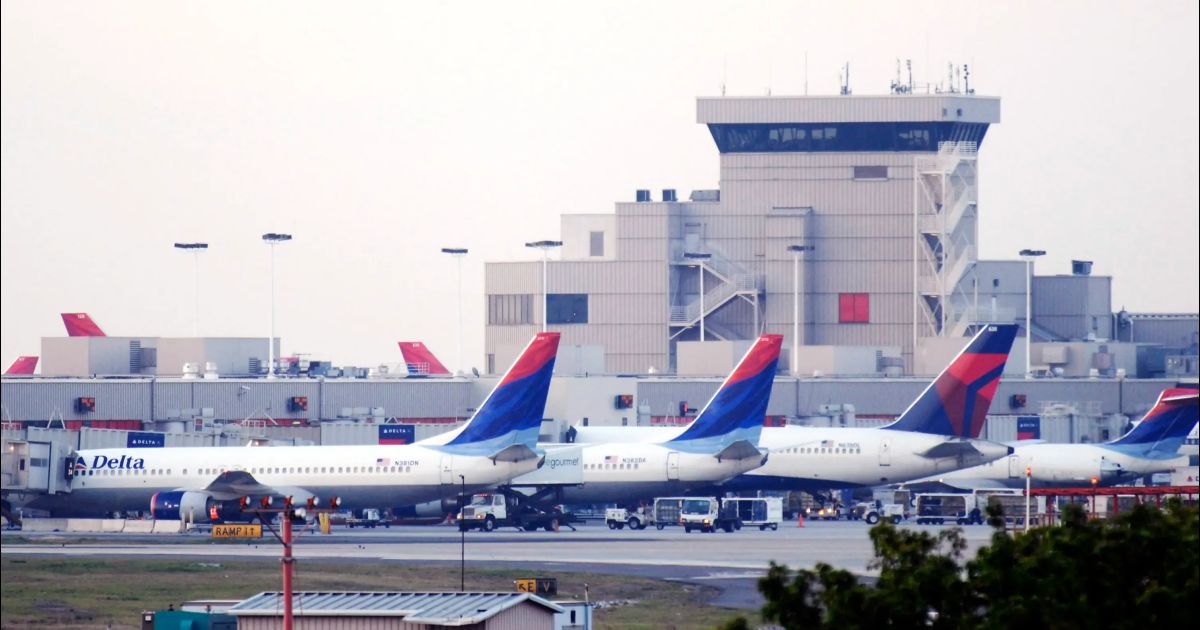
[[731, 562]]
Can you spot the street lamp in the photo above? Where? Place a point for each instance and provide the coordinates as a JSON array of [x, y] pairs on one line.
[[462, 537], [700, 259], [545, 246], [797, 251], [272, 239], [458, 253], [1028, 255], [196, 249]]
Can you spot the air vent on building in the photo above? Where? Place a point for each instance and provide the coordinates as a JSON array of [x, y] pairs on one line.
[[669, 195], [135, 357], [1081, 267], [643, 196]]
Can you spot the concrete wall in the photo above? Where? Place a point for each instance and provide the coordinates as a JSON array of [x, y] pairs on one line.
[[577, 231], [711, 358], [231, 354]]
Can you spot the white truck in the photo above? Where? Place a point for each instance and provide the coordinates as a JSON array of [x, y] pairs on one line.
[[488, 510], [369, 518], [705, 514], [893, 505], [761, 512]]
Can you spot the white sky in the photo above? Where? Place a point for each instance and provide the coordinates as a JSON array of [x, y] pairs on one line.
[[377, 133]]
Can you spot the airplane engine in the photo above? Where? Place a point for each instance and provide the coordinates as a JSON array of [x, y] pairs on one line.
[[184, 506], [428, 509]]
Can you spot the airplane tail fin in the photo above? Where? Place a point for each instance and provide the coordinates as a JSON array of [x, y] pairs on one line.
[[957, 401], [512, 414], [81, 325], [737, 411], [1164, 427], [419, 360], [23, 365]]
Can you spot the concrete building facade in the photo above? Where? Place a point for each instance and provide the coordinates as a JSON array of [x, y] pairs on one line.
[[883, 189]]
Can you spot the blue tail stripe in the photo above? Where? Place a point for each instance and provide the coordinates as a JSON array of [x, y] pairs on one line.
[[517, 406]]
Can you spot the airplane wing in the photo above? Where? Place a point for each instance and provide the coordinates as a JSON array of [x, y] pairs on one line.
[[741, 449], [955, 448], [235, 484], [514, 453]]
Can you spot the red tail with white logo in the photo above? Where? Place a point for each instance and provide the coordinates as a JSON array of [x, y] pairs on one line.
[[81, 325]]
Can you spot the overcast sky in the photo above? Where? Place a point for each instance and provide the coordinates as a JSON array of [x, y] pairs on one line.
[[377, 133]]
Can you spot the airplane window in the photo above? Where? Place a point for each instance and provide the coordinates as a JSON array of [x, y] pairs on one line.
[[408, 469], [185, 471], [168, 471]]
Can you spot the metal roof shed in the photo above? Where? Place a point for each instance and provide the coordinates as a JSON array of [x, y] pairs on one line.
[[398, 611]]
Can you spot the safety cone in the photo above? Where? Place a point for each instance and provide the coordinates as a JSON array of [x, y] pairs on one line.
[[800, 519]]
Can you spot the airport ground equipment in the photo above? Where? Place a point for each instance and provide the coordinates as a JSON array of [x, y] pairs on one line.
[[893, 505], [370, 519], [968, 508], [487, 511], [761, 512], [635, 519], [666, 511], [706, 514], [938, 508]]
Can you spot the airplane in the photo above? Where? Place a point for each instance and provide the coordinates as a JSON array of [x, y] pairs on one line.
[[23, 365], [1148, 448], [81, 325], [211, 483], [938, 432], [420, 361], [718, 445]]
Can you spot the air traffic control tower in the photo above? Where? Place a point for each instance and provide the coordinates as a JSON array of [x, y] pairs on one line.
[[859, 213]]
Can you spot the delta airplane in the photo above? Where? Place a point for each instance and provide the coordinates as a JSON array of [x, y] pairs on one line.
[[81, 325], [420, 361], [718, 445], [207, 483], [22, 366], [1148, 448], [938, 432]]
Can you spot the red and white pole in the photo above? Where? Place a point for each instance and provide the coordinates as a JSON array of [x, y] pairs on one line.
[[287, 568]]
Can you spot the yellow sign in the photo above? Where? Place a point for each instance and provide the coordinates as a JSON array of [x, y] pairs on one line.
[[237, 531]]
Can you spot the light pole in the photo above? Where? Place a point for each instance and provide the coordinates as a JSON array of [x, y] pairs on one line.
[[196, 249], [1028, 482], [272, 239], [1028, 255], [545, 246], [458, 253], [699, 259], [797, 251]]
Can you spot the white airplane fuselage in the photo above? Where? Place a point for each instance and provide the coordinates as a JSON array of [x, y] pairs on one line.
[[112, 480], [835, 457], [1060, 466], [632, 471]]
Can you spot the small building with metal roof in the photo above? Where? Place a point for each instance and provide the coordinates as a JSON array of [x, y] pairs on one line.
[[398, 611]]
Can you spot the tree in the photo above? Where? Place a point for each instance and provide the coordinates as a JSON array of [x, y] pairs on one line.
[[1140, 568]]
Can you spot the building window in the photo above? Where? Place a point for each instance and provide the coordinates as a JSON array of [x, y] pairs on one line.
[[567, 308], [509, 310], [817, 137], [870, 172], [597, 243], [854, 308]]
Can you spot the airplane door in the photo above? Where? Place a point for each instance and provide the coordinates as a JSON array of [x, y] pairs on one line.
[[673, 466], [885, 451], [447, 470], [1014, 467]]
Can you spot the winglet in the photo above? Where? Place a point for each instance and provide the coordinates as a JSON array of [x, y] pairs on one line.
[[739, 408], [1168, 422], [23, 365], [81, 325], [419, 360], [957, 401], [512, 413]]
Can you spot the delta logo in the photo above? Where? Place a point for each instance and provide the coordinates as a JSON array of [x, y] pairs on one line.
[[99, 462]]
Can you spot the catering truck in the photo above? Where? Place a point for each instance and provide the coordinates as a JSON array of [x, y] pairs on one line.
[[761, 512], [487, 511]]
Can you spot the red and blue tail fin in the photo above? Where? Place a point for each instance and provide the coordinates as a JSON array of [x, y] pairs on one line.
[[738, 409], [81, 325], [23, 365], [512, 414], [1163, 428], [957, 401], [419, 360]]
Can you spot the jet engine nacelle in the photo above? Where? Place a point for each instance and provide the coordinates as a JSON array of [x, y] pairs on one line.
[[183, 506], [428, 509]]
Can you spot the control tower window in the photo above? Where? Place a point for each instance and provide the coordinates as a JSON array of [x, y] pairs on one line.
[[567, 308], [842, 137]]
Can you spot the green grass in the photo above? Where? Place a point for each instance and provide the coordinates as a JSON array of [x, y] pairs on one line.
[[94, 593]]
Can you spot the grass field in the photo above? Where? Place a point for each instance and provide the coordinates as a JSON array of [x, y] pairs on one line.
[[97, 592]]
